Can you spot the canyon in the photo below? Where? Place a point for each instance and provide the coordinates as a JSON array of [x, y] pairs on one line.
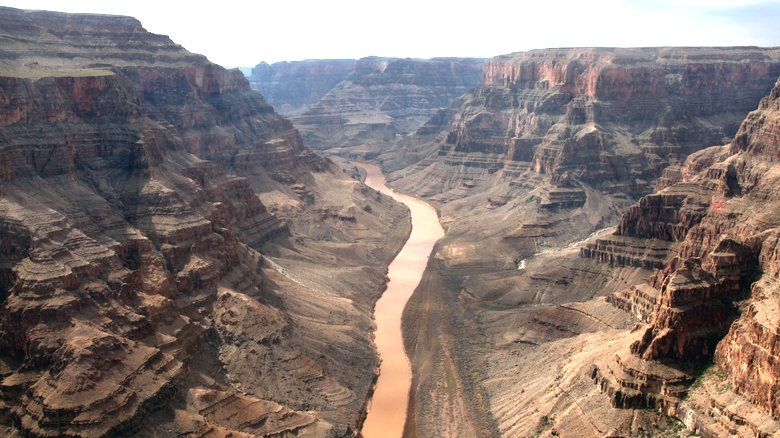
[[521, 328], [365, 104], [382, 101], [177, 259], [292, 87]]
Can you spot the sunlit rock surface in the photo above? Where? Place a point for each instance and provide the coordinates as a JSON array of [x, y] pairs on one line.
[[173, 260]]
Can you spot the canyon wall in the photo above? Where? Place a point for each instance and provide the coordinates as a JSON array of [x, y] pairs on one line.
[[384, 98], [727, 254], [584, 299], [711, 297], [292, 87], [174, 260], [570, 138], [611, 118]]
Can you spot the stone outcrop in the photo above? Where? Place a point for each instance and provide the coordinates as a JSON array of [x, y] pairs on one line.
[[134, 297], [119, 251], [385, 97], [747, 355], [292, 87], [627, 251], [630, 384], [723, 214], [567, 123], [574, 137], [610, 118]]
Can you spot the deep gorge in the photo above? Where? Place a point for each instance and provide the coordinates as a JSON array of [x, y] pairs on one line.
[[177, 258]]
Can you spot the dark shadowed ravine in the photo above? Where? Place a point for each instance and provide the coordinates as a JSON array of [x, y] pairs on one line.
[[388, 404]]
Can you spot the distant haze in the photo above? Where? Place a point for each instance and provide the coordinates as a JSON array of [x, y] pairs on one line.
[[236, 33]]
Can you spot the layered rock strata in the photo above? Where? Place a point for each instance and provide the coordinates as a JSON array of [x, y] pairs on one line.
[[145, 287], [292, 87], [611, 118], [513, 254], [715, 296], [384, 98]]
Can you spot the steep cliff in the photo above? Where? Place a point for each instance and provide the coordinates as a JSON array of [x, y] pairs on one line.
[[384, 98], [582, 112], [712, 295], [292, 87], [727, 253], [528, 319], [173, 259], [567, 139]]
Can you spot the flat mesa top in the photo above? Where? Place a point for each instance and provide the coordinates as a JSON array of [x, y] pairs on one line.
[[38, 73]]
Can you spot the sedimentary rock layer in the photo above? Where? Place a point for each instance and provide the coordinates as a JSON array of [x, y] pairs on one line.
[[613, 118], [145, 288], [548, 143], [291, 87], [715, 296], [727, 253], [507, 166], [384, 97]]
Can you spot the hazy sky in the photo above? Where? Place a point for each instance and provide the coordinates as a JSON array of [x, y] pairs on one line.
[[243, 33]]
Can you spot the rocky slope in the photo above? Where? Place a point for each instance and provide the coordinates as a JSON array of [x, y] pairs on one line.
[[385, 98], [727, 253], [173, 259], [539, 333], [292, 87], [714, 297], [558, 143]]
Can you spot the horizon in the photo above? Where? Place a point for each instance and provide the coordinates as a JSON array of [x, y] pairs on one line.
[[347, 29]]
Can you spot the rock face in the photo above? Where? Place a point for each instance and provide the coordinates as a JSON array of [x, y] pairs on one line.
[[612, 118], [727, 253], [567, 139], [559, 144], [716, 296], [134, 295], [384, 97], [292, 87]]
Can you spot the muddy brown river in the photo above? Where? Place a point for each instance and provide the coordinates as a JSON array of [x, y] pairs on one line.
[[387, 409]]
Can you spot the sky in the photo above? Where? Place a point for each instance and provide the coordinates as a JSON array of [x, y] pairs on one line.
[[236, 33]]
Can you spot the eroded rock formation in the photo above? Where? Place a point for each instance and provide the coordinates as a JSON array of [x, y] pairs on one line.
[[508, 165], [726, 254], [559, 143], [714, 297], [612, 118], [292, 87], [135, 298], [384, 98]]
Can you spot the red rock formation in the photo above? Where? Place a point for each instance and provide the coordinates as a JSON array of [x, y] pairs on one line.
[[610, 118], [724, 214], [749, 353], [129, 240], [633, 73]]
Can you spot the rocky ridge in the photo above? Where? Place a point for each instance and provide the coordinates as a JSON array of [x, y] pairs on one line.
[[724, 268], [164, 237], [568, 139]]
